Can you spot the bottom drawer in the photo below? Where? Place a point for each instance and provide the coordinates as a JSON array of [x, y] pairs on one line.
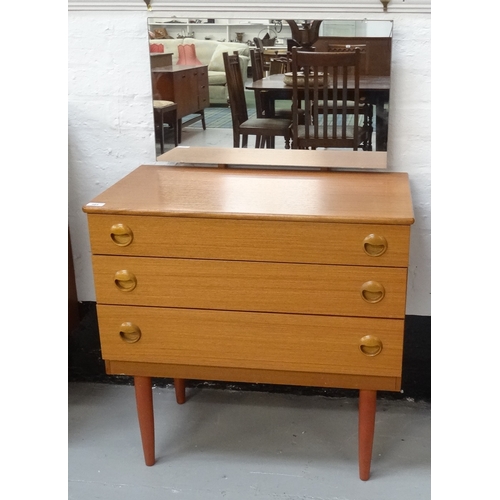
[[293, 342]]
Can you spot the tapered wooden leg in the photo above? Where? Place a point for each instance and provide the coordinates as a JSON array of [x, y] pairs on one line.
[[144, 400], [179, 130], [366, 430], [180, 390]]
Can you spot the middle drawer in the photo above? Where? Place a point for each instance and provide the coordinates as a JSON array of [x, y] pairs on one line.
[[251, 286]]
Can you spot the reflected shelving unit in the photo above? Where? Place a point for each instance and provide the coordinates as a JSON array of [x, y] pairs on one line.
[[222, 29]]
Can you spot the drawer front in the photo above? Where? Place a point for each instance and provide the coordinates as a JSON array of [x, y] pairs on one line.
[[274, 241], [251, 286], [203, 97], [183, 88], [293, 342]]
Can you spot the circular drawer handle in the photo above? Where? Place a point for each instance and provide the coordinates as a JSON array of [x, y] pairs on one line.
[[121, 235], [374, 245], [129, 332], [372, 292], [370, 345], [125, 280]]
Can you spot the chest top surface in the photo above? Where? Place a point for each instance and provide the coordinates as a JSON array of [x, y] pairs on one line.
[[363, 197], [176, 68]]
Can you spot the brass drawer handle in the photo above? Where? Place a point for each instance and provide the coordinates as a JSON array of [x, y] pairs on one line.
[[121, 235], [374, 245], [372, 292], [125, 280], [130, 333], [370, 345]]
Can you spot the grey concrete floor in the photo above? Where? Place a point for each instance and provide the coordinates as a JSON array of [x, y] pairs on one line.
[[243, 445]]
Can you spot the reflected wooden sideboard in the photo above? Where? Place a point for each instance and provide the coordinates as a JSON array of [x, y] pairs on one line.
[[187, 86], [280, 277]]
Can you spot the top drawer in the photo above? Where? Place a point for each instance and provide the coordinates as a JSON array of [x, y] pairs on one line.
[[253, 240]]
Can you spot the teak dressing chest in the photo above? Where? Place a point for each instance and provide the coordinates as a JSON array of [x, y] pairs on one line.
[[262, 276]]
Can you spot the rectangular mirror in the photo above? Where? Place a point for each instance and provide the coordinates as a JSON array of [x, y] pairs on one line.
[[187, 67]]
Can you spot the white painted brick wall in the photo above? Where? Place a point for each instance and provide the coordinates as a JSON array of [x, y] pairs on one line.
[[111, 124]]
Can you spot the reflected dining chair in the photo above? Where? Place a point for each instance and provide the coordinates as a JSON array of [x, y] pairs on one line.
[[165, 113], [363, 50], [257, 62], [265, 129], [260, 46], [279, 65], [330, 77], [262, 107], [365, 108], [258, 73]]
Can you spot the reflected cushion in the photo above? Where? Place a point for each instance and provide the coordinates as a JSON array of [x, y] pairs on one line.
[[217, 61], [187, 56], [216, 78]]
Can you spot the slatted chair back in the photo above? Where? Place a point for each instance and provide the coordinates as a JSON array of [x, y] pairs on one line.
[[365, 107], [363, 50], [258, 72], [257, 61], [235, 89], [279, 65], [329, 74]]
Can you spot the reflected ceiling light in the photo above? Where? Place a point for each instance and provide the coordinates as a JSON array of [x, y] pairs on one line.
[[148, 4]]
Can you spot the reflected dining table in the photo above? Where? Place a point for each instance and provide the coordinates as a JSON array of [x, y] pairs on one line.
[[375, 90]]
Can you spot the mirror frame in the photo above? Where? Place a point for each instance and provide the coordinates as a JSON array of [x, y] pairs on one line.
[[381, 106]]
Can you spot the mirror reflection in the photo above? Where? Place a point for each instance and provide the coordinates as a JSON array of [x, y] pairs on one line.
[[190, 89]]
